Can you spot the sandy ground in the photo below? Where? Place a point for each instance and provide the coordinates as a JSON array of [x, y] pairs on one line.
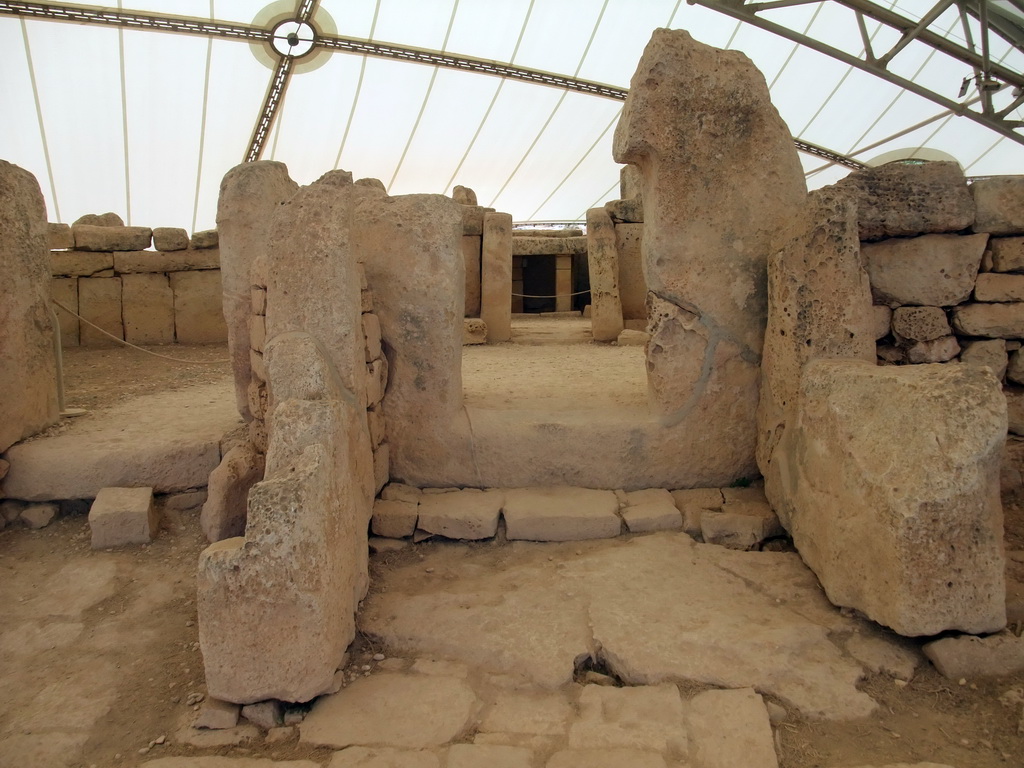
[[99, 649]]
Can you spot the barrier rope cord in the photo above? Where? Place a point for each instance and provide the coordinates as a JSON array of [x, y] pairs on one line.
[[556, 296], [133, 346]]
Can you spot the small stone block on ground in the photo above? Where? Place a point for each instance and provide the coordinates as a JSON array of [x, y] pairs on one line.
[[394, 519], [972, 657], [121, 516], [651, 510], [728, 728], [740, 525], [217, 715], [561, 514], [480, 755], [469, 514]]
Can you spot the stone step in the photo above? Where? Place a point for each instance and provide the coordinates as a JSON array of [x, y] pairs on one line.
[[168, 442], [737, 518]]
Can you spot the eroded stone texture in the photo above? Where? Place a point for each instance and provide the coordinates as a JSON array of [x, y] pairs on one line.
[[603, 261], [990, 353], [719, 174], [28, 372], [249, 196], [496, 276], [1007, 254], [1000, 204], [411, 246], [224, 511], [147, 309], [913, 324], [632, 286], [931, 270], [918, 545], [901, 199], [820, 306], [1000, 321]]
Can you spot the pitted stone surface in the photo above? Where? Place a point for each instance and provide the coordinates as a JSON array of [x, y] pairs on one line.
[[931, 270], [1000, 204], [387, 709]]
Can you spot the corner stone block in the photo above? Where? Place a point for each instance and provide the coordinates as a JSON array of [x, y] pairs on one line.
[[919, 544], [198, 307], [122, 516], [99, 302], [148, 309], [59, 236]]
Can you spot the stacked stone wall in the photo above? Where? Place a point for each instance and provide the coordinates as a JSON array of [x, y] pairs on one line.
[[140, 285]]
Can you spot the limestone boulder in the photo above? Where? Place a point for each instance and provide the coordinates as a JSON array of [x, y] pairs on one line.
[[931, 270], [990, 353], [1000, 205], [463, 195], [915, 544], [249, 195], [28, 369], [902, 200]]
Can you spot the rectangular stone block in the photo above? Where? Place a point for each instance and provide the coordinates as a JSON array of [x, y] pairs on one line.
[[170, 239], [371, 337], [393, 519], [258, 297], [471, 254], [1007, 254], [540, 246], [995, 287], [561, 514], [473, 219], [1000, 205], [931, 270], [632, 285], [148, 309], [994, 321], [65, 290], [652, 509], [59, 236], [198, 307], [121, 516], [257, 332], [470, 514], [208, 238], [161, 261], [89, 237], [79, 263], [496, 277], [99, 302], [730, 728], [629, 211], [563, 283]]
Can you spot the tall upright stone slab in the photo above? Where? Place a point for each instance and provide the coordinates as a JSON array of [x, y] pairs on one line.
[[603, 260], [250, 194], [28, 368], [819, 302], [496, 276], [719, 173]]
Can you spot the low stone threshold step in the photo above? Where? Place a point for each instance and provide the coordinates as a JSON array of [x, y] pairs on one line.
[[168, 441]]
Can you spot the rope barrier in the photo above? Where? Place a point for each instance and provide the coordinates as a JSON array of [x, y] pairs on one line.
[[133, 346], [556, 296]]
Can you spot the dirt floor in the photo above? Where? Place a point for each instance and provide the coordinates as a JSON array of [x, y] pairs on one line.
[[100, 657]]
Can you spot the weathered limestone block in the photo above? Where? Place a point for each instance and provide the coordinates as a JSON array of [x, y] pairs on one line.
[[79, 263], [977, 657], [632, 286], [147, 305], [121, 516], [996, 287], [651, 509], [65, 291], [990, 353], [257, 333], [931, 270], [913, 324], [819, 306], [108, 219], [249, 195], [603, 260], [463, 195], [1000, 205], [474, 331], [395, 518], [998, 321], [28, 375], [469, 514], [630, 182], [561, 514], [371, 337], [525, 245], [198, 307], [59, 236], [99, 302], [208, 238], [223, 515], [917, 544], [626, 211], [1007, 254], [730, 728], [1015, 368], [713, 199], [170, 239], [740, 525], [900, 200], [471, 254], [936, 351], [161, 261], [414, 265], [496, 276], [98, 238]]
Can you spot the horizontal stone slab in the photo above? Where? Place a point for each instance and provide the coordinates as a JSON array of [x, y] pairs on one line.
[[1007, 254], [79, 263], [997, 287], [994, 321], [469, 514], [548, 246], [931, 270], [561, 514], [127, 262], [94, 238]]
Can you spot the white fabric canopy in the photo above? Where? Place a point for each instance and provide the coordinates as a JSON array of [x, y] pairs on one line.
[[145, 123]]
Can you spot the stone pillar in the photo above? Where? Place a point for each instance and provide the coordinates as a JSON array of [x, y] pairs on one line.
[[719, 175], [249, 195], [471, 255], [496, 280], [28, 368], [563, 283], [603, 260]]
